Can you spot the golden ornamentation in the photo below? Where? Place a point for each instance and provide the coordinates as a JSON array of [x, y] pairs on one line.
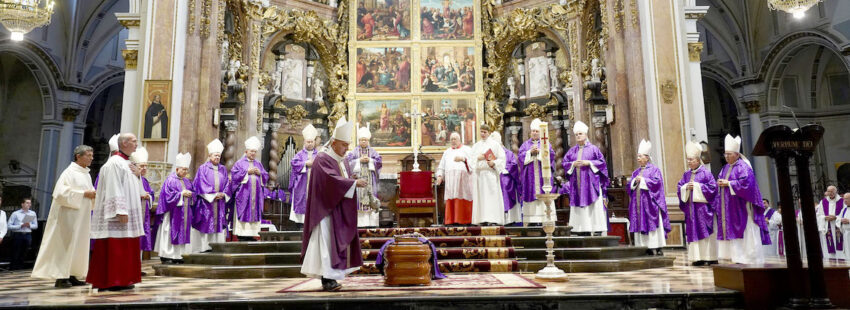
[[535, 111], [694, 15], [264, 79], [190, 29], [21, 17], [127, 23], [295, 114], [619, 8], [70, 114], [694, 50], [205, 18], [131, 58], [222, 6], [492, 114], [338, 111], [635, 16], [753, 107], [668, 91]]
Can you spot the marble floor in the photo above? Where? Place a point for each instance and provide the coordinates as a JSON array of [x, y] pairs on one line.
[[18, 290]]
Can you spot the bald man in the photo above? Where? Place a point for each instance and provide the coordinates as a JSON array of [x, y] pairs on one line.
[[831, 239]]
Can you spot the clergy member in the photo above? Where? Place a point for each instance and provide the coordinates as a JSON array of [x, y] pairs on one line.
[[801, 235], [697, 190], [843, 222], [647, 206], [455, 168], [531, 177], [365, 158], [487, 199], [175, 209], [774, 226], [330, 245], [209, 215], [64, 252], [301, 163], [831, 239], [587, 183], [248, 181], [117, 222], [113, 149], [509, 179], [738, 209], [140, 158]]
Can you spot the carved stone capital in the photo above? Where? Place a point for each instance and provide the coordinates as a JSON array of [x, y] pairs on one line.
[[753, 107], [131, 58], [127, 23], [231, 125], [696, 16], [694, 51], [70, 114]]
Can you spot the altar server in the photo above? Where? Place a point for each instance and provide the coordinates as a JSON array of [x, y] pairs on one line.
[[489, 161]]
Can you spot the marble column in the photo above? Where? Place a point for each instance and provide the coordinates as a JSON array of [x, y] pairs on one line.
[[759, 162], [695, 103], [131, 109], [66, 138]]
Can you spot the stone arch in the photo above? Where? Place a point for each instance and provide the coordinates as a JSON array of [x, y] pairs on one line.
[[88, 46], [99, 86], [43, 69]]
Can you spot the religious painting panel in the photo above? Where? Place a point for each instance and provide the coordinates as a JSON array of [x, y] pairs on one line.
[[445, 116], [447, 19], [448, 69], [157, 109], [383, 20], [387, 121], [382, 70]]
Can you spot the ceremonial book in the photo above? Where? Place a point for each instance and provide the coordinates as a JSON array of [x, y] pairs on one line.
[[489, 155]]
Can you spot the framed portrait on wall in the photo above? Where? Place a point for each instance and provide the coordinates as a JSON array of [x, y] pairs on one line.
[[444, 117], [382, 70], [387, 122], [156, 109], [447, 69], [447, 19], [383, 20]]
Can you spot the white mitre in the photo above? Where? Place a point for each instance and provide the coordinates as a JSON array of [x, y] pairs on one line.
[[343, 130], [731, 144], [693, 150], [140, 156], [644, 147], [580, 127], [535, 124], [183, 160], [364, 132], [215, 147], [113, 143], [253, 143], [309, 132]]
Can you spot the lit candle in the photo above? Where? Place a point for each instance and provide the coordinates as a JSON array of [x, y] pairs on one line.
[[545, 165]]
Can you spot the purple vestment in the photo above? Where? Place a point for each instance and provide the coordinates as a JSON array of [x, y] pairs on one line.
[[526, 172], [210, 217], [352, 158], [698, 216], [646, 205], [181, 216], [583, 185], [833, 243], [731, 211], [298, 180], [146, 242], [248, 196], [331, 201], [510, 192]]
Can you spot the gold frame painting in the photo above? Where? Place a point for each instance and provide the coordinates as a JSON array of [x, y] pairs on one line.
[[445, 115], [380, 69], [388, 121], [156, 110], [382, 20]]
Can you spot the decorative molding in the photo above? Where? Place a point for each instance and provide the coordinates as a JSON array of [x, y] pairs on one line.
[[70, 114], [619, 17], [205, 18], [753, 107], [696, 16], [535, 111], [131, 58], [190, 29], [635, 17], [127, 23], [295, 114], [668, 91], [231, 125], [694, 50]]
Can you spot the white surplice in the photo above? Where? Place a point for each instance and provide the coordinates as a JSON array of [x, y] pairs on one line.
[[456, 174], [118, 193], [825, 226], [773, 224], [488, 204]]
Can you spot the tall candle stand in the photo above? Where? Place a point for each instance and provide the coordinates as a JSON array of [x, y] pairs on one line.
[[550, 272]]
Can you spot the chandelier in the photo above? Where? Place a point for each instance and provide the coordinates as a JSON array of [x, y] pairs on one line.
[[22, 16], [797, 8]]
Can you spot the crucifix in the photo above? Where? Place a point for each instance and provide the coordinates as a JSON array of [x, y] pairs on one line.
[[415, 115]]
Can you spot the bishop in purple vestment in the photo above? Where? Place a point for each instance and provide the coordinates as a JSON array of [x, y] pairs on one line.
[[647, 206], [531, 176], [330, 245], [696, 192], [176, 199], [832, 240], [587, 184], [301, 165], [361, 159], [209, 217], [140, 158], [741, 229], [248, 179]]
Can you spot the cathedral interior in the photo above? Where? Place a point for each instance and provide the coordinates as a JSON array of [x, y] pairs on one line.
[[180, 73]]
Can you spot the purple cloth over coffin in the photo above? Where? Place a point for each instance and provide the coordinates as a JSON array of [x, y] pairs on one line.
[[435, 268]]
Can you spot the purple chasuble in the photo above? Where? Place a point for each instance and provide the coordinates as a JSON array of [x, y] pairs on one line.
[[526, 172], [345, 242], [646, 205], [248, 197], [146, 242], [210, 217], [834, 237], [510, 193], [181, 216], [298, 180], [698, 216], [583, 185], [731, 211]]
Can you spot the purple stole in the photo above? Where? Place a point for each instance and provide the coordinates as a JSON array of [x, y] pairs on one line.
[[837, 243], [780, 240]]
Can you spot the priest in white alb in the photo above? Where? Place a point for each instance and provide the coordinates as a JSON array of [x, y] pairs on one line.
[[64, 252], [489, 161]]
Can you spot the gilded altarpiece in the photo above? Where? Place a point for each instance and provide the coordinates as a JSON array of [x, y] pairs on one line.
[[415, 73]]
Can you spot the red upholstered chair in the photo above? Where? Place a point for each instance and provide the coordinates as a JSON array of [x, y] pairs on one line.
[[416, 196]]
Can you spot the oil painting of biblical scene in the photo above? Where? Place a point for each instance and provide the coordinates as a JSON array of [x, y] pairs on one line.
[[447, 19], [386, 120], [448, 69], [383, 20], [445, 116], [383, 70]]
